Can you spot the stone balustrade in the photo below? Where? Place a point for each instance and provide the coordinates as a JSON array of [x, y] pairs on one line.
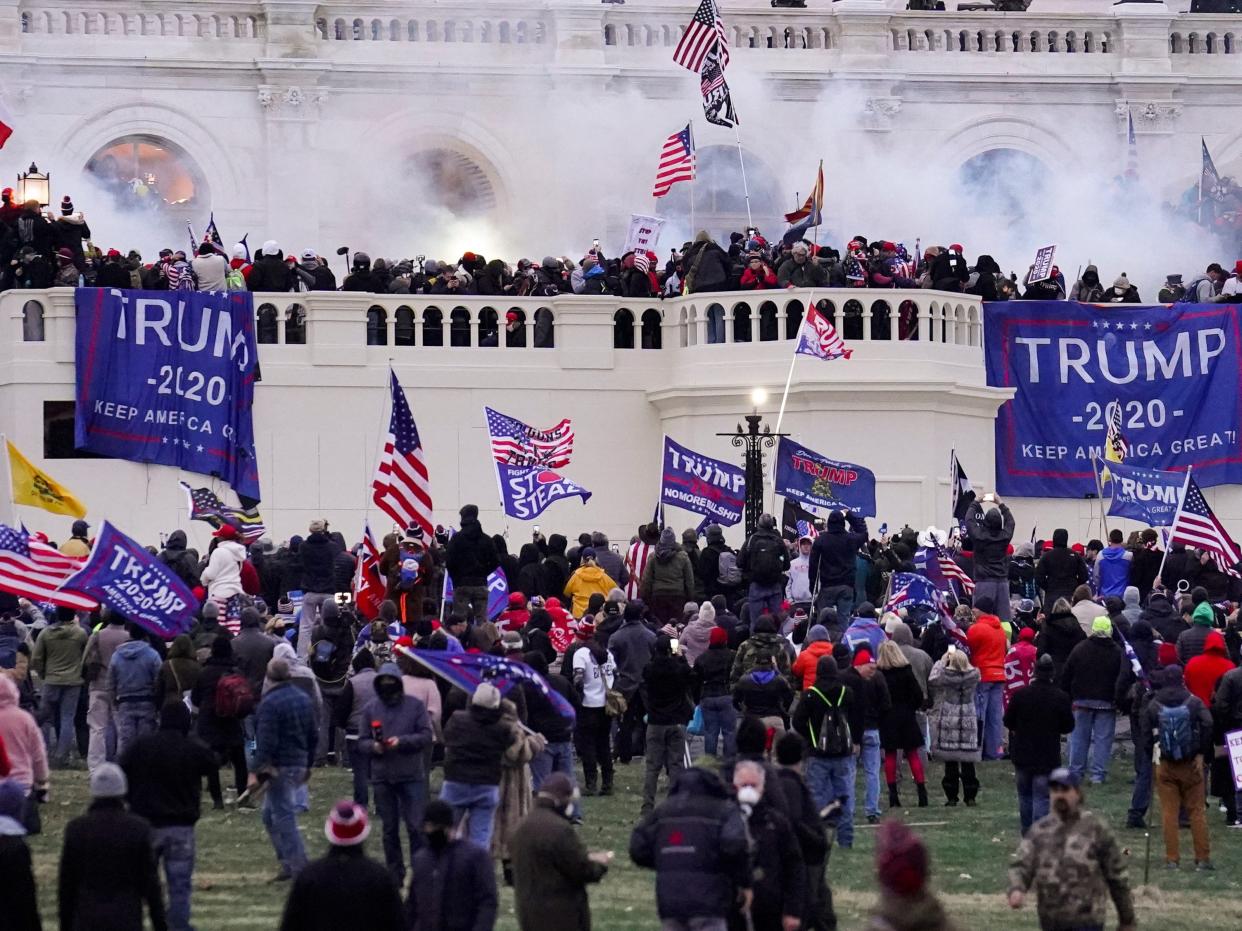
[[228, 21]]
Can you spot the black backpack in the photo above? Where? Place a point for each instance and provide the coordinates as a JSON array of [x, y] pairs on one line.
[[833, 736], [765, 559]]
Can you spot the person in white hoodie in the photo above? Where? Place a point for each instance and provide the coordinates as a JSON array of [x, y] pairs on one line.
[[222, 577], [798, 588], [210, 268]]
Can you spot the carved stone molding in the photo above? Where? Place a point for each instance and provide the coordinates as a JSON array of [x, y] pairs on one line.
[[1150, 116], [879, 112]]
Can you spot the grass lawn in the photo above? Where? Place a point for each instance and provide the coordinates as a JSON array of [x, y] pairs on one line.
[[970, 849]]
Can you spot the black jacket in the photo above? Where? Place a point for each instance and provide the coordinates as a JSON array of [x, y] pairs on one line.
[[763, 699], [833, 552], [871, 702], [21, 902], [318, 554], [1178, 565], [1059, 571], [990, 539], [474, 742], [804, 816], [711, 672], [472, 556], [436, 902], [1164, 619], [165, 772], [779, 871], [180, 560], [696, 842], [707, 268], [346, 889], [270, 273], [252, 650], [1092, 669], [220, 734], [107, 872], [1037, 716], [542, 717], [1144, 568], [1227, 702], [1170, 696], [1058, 637], [808, 717], [666, 690]]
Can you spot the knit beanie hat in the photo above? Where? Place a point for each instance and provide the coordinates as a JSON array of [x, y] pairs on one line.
[[718, 637], [108, 781], [1166, 654], [1027, 634], [1173, 676], [900, 859], [66, 205], [1045, 668], [347, 824], [862, 657], [817, 634], [486, 695]]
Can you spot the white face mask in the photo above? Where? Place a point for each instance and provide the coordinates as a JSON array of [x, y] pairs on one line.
[[749, 795], [569, 810]]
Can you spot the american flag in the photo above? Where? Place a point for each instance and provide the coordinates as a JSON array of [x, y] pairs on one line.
[[676, 162], [206, 506], [952, 571], [641, 262], [1117, 447], [517, 443], [401, 487], [819, 338], [705, 32], [1195, 525], [717, 101], [34, 570]]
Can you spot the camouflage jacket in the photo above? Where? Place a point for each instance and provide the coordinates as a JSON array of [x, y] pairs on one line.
[[1072, 865]]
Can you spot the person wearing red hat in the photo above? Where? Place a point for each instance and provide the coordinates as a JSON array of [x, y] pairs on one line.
[[67, 274], [113, 273], [516, 616], [344, 888], [871, 703], [1231, 290], [223, 575]]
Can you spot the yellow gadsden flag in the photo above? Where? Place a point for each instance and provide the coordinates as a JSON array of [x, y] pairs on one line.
[[36, 488]]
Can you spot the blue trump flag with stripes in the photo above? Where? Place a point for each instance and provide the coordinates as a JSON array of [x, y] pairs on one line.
[[468, 670]]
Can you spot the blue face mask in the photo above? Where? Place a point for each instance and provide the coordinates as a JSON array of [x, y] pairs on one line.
[[409, 569]]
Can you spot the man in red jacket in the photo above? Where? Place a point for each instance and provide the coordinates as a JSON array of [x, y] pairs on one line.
[[988, 645]]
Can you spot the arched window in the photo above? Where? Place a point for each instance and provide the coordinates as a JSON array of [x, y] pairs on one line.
[[623, 329], [32, 322], [267, 329], [446, 178], [377, 326], [147, 173], [652, 333], [719, 198], [1004, 183]]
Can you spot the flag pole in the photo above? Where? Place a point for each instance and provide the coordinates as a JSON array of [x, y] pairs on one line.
[[8, 473], [1203, 148], [1181, 501], [694, 176], [780, 416], [745, 188], [1099, 491], [953, 486]]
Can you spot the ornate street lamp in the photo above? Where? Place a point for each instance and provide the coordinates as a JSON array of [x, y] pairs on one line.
[[34, 185], [754, 441]]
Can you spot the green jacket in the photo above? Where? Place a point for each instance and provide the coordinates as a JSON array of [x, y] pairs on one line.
[[57, 657], [668, 578]]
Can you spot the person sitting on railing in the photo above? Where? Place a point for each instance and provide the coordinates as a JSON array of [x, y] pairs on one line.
[[949, 271], [800, 270], [1122, 292], [1050, 289], [636, 277], [886, 268], [112, 273], [210, 268], [270, 273], [706, 265], [550, 280], [1088, 289], [758, 274], [494, 280]]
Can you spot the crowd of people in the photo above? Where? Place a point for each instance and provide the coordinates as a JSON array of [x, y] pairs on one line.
[[793, 659], [41, 248]]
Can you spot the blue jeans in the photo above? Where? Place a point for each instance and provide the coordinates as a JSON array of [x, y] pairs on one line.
[[829, 779], [397, 803], [762, 598], [175, 846], [555, 758], [715, 324], [1032, 797], [280, 817], [871, 770], [477, 804], [1093, 728], [133, 720], [1140, 798], [58, 707], [719, 720], [990, 707], [840, 597]]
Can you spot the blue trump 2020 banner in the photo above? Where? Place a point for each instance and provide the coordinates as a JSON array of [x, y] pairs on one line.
[[1173, 370], [807, 476], [701, 484], [168, 377], [123, 575], [1147, 495]]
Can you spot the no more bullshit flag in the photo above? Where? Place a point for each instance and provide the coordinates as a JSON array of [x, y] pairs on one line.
[[701, 484]]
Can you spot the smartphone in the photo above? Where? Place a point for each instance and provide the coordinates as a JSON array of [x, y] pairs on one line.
[[675, 645], [536, 531], [595, 243]]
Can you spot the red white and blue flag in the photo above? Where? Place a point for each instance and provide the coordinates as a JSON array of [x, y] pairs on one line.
[[1196, 526], [369, 587], [518, 443], [401, 487], [526, 491], [31, 569], [819, 338], [676, 163], [705, 31]]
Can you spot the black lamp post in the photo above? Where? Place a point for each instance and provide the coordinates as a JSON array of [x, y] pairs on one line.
[[754, 441]]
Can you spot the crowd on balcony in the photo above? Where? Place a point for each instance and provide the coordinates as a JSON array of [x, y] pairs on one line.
[[39, 250]]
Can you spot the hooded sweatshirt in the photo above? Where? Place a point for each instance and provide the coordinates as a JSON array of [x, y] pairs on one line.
[[1111, 573], [22, 739], [988, 646], [1192, 641], [668, 573], [223, 573], [1204, 671], [585, 582], [695, 636]]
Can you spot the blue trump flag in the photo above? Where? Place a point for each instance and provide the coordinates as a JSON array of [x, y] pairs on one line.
[[701, 484], [467, 670], [1147, 495], [807, 476], [497, 592], [526, 491], [1173, 370], [123, 575], [168, 377]]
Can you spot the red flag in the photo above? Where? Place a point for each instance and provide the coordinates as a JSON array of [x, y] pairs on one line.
[[369, 587]]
